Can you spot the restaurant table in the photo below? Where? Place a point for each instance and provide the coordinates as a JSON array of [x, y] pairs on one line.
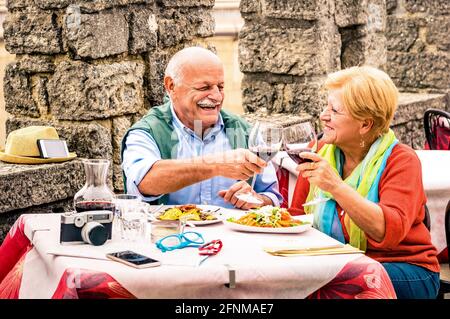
[[242, 269], [436, 182]]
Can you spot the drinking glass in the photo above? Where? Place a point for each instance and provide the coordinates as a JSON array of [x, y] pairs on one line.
[[132, 214], [264, 141], [301, 138]]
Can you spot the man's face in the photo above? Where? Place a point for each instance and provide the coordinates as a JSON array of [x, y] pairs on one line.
[[199, 93]]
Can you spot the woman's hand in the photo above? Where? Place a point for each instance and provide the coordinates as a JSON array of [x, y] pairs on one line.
[[319, 172]]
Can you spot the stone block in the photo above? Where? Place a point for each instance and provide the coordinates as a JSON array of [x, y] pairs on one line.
[[285, 50], [24, 186], [18, 92], [143, 30], [391, 5], [360, 46], [293, 9], [401, 33], [87, 140], [186, 3], [35, 63], [411, 134], [7, 219], [95, 35], [350, 13], [53, 4], [19, 4], [183, 24], [119, 127], [434, 7], [157, 62], [412, 106], [88, 5], [249, 6], [96, 91], [284, 120], [425, 70], [117, 178], [292, 98], [408, 119], [39, 89], [438, 32], [32, 32]]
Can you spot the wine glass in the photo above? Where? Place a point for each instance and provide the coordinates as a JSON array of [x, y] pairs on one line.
[[301, 138], [264, 141]]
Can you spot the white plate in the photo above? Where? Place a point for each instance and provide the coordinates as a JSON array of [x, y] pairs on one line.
[[204, 208], [277, 230]]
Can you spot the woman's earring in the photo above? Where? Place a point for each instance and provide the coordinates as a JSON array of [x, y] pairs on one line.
[[362, 143]]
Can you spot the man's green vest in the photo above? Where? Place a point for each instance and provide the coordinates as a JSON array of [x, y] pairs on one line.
[[158, 123]]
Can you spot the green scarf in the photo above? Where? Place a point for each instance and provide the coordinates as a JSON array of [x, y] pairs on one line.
[[364, 179]]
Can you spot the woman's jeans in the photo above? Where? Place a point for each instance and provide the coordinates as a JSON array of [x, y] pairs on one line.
[[412, 282]]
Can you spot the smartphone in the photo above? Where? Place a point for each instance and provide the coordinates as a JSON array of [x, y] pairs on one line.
[[133, 259], [52, 148]]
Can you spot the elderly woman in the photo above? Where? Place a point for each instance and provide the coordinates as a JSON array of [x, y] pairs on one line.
[[373, 182]]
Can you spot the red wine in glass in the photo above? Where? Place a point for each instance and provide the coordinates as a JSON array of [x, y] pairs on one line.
[[294, 154], [94, 205]]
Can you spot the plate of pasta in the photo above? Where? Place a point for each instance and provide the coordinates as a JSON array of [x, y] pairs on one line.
[[268, 219], [197, 215]]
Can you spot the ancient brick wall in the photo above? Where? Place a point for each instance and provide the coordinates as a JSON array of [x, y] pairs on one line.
[[92, 68], [418, 33], [287, 47]]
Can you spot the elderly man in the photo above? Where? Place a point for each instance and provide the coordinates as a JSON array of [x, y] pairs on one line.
[[189, 150]]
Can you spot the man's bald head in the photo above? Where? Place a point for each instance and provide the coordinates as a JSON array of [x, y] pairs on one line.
[[189, 58]]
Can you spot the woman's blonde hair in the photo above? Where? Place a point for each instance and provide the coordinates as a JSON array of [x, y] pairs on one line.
[[367, 93]]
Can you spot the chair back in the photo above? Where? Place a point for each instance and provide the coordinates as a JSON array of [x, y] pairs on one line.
[[436, 124]]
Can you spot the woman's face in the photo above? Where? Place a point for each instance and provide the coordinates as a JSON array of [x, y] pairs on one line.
[[339, 128]]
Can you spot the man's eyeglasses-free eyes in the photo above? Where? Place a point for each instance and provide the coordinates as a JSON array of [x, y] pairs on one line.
[[182, 240]]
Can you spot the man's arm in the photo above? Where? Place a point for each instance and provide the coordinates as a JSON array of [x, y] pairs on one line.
[[168, 176], [156, 176]]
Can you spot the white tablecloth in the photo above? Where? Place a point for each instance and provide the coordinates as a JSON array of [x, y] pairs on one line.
[[258, 274]]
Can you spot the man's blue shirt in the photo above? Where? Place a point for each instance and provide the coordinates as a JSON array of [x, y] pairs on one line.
[[141, 152]]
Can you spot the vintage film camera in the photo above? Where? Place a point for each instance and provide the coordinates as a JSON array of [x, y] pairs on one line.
[[91, 227]]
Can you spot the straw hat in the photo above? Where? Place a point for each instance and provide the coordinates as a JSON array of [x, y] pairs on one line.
[[21, 146]]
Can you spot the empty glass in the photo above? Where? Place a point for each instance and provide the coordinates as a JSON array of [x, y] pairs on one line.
[[132, 217]]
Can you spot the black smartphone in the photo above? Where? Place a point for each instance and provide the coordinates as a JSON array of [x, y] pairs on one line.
[[133, 259], [52, 148]]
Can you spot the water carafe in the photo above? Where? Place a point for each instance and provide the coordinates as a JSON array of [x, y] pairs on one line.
[[95, 194]]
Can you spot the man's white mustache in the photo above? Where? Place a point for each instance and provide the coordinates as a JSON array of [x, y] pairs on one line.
[[208, 103]]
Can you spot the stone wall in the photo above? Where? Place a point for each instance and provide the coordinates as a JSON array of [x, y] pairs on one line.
[[287, 47], [92, 68], [418, 33]]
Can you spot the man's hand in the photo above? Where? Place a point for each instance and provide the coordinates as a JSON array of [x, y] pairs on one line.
[[243, 187], [239, 164]]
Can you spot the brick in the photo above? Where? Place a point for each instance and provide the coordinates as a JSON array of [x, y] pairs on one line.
[[96, 91]]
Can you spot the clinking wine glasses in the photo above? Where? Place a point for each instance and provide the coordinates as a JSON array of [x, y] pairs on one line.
[[300, 138], [264, 141]]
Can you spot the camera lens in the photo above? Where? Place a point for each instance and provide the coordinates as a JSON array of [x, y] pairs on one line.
[[94, 233]]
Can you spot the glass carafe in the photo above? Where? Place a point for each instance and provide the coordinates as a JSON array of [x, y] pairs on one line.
[[95, 194]]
